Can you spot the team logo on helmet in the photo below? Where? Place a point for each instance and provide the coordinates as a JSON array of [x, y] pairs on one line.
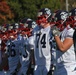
[[64, 16]]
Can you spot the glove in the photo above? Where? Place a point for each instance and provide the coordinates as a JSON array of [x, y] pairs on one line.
[[55, 31]]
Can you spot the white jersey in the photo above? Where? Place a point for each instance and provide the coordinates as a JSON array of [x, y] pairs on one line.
[[13, 54], [31, 42], [42, 45], [66, 61]]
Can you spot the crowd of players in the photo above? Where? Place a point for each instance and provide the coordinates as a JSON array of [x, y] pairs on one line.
[[42, 47]]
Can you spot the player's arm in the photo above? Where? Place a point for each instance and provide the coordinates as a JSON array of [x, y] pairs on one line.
[[66, 44]]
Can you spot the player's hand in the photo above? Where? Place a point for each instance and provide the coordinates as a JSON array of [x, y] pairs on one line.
[[55, 31]]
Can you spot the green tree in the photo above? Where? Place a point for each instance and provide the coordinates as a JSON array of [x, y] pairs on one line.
[[16, 9], [72, 4], [29, 8]]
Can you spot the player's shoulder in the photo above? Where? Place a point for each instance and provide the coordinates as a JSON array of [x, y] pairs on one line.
[[48, 28], [70, 30], [36, 29]]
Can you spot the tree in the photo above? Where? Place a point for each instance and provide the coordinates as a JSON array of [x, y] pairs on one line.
[[5, 12], [29, 8], [72, 4]]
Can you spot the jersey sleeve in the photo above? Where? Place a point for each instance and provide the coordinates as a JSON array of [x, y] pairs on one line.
[[70, 33], [31, 42]]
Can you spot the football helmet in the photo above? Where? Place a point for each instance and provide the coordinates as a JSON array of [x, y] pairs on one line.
[[10, 27], [60, 19], [5, 27], [23, 22], [44, 13], [15, 25], [72, 12], [29, 24], [72, 17]]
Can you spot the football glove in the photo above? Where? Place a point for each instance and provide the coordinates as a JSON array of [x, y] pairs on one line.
[[55, 31]]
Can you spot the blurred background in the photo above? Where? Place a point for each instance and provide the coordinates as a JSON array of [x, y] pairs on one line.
[[14, 10]]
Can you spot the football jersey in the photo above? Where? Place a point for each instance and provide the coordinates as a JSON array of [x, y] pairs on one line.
[[13, 54], [66, 59], [24, 55], [31, 42], [42, 45], [24, 52], [2, 73]]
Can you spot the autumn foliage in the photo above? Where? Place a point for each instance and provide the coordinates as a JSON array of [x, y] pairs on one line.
[[5, 12]]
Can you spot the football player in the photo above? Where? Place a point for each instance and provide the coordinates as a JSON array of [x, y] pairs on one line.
[[13, 53], [72, 21], [24, 46], [65, 55], [3, 50], [42, 46]]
